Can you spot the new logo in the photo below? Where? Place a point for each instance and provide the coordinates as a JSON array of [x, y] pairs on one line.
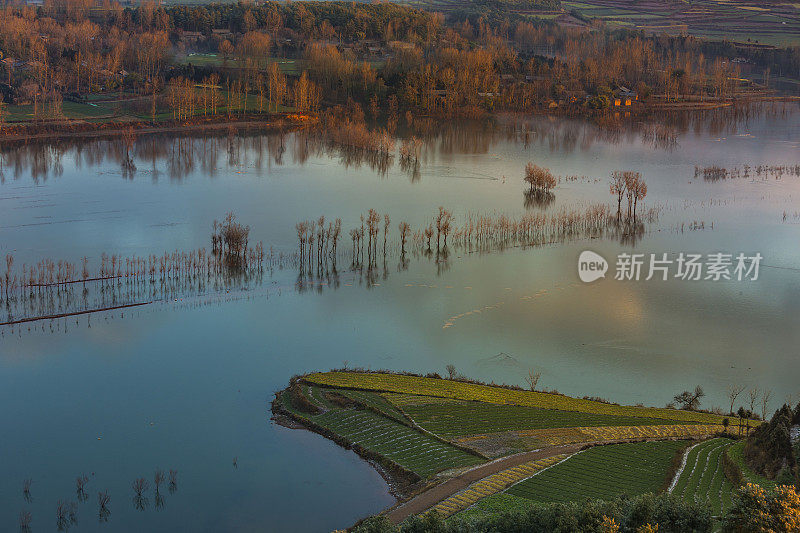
[[591, 266]]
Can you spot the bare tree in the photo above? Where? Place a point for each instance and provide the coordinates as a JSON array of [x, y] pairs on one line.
[[617, 188], [451, 370], [766, 396], [733, 392], [633, 186], [103, 512], [173, 480], [532, 379], [753, 395], [80, 487], [639, 192], [444, 220], [66, 515], [25, 520], [539, 178], [140, 485], [403, 227], [690, 401], [158, 478], [385, 232]]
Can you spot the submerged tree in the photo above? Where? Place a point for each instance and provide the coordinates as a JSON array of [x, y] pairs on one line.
[[617, 188], [103, 511], [539, 178], [403, 227], [25, 519], [230, 238]]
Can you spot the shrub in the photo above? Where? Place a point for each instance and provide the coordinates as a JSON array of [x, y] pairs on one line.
[[755, 510]]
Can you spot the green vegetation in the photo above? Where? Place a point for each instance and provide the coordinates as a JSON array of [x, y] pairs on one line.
[[74, 110], [463, 390], [377, 402], [703, 478], [494, 504], [290, 67], [760, 511], [629, 514], [736, 454], [416, 427], [455, 418], [603, 472], [375, 433], [769, 449]]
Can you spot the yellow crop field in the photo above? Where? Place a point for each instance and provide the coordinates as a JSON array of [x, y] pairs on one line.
[[493, 484], [559, 436], [498, 395]]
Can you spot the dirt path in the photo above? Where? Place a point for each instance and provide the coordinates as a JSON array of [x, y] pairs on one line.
[[435, 494]]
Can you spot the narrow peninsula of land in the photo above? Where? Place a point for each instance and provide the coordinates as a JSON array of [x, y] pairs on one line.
[[452, 448]]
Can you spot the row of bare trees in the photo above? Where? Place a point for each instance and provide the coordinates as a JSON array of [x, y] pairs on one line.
[[317, 240], [755, 397], [317, 243], [186, 98]]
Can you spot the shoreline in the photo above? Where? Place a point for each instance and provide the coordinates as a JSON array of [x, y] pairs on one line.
[[416, 493], [78, 129], [16, 132]]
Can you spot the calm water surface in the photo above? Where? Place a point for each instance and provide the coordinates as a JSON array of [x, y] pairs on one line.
[[186, 385]]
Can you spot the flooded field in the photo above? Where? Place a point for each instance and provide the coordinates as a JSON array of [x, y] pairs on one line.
[[183, 382]]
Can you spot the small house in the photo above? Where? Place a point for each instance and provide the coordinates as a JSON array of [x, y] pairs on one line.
[[624, 97]]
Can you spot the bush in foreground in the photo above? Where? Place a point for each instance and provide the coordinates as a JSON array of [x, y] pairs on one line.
[[756, 510], [637, 514]]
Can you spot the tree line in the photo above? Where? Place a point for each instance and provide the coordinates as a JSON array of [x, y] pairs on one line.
[[426, 63]]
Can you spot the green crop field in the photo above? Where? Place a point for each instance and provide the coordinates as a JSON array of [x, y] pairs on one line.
[[603, 472], [375, 401], [776, 25], [456, 418], [292, 67], [703, 479], [495, 504], [22, 113], [498, 395], [407, 447]]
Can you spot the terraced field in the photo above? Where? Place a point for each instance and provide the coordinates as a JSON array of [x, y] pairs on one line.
[[497, 395], [603, 472], [502, 502], [456, 418], [411, 449], [375, 401], [503, 443], [493, 484], [703, 479], [776, 23]]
